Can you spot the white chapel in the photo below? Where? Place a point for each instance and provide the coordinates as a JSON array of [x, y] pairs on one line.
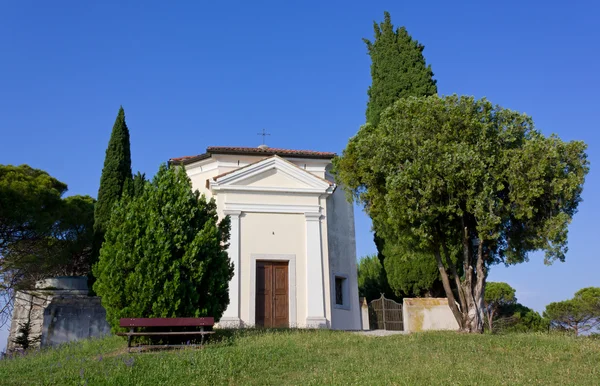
[[292, 236]]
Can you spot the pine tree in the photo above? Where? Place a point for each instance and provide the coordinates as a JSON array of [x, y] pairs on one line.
[[116, 178], [398, 68]]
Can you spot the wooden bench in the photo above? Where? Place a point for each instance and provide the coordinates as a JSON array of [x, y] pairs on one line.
[[133, 323]]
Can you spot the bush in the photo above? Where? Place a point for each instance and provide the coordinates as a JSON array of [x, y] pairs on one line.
[[164, 254], [519, 318]]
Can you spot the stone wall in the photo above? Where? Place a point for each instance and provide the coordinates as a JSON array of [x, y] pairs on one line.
[[59, 311], [424, 314], [364, 313], [29, 305], [69, 318]]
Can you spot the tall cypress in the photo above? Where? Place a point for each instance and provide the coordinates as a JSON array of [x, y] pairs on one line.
[[116, 178], [398, 68]]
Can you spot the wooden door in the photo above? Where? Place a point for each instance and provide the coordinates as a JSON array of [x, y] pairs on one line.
[[272, 309]]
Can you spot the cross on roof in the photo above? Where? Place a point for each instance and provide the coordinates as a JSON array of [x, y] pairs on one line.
[[264, 134]]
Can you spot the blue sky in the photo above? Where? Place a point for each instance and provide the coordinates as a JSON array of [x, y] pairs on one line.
[[194, 75]]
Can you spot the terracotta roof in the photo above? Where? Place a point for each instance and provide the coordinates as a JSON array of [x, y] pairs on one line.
[[267, 151]]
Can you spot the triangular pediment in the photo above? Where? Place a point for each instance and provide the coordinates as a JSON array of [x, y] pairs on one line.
[[272, 174]]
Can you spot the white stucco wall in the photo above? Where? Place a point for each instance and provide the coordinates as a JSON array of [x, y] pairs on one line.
[[426, 314], [285, 233], [273, 234], [341, 244]]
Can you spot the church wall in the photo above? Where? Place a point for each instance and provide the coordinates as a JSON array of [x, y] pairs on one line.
[[270, 198], [324, 200], [199, 178], [290, 229], [273, 233], [341, 245]]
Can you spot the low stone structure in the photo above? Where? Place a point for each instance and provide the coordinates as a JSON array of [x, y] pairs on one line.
[[59, 310], [424, 314], [364, 313]]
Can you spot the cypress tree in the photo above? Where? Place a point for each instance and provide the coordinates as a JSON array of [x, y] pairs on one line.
[[116, 178], [398, 68]]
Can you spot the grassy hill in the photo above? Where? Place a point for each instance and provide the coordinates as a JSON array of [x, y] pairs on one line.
[[320, 357]]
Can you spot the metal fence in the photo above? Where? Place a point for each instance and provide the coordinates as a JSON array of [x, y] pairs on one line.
[[385, 314]]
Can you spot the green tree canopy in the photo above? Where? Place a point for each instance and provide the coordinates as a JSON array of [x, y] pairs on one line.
[[411, 272], [516, 317], [116, 180], [165, 254], [580, 314], [139, 181], [116, 176], [371, 282], [497, 295], [464, 180], [398, 68], [41, 234], [30, 199]]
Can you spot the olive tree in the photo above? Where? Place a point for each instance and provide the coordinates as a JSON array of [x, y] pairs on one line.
[[468, 183]]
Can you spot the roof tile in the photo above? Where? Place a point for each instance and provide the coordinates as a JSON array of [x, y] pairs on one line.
[[268, 151]]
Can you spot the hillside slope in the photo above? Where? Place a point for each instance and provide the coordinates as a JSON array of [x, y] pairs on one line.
[[319, 357]]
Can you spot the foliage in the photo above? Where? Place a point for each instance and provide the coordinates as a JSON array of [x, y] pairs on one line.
[[463, 179], [371, 282], [164, 254], [318, 357], [139, 181], [411, 273], [580, 314], [507, 314], [30, 199], [63, 249], [41, 234], [524, 319], [115, 179], [398, 68], [497, 295]]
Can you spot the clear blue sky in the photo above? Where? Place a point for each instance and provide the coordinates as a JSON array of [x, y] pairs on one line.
[[194, 75]]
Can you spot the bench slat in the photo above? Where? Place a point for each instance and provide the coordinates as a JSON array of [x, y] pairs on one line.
[[167, 322], [165, 333]]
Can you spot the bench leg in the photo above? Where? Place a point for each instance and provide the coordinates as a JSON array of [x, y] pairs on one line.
[[129, 339], [202, 337]]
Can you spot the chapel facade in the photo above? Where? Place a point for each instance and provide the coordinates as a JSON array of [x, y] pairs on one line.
[[292, 236]]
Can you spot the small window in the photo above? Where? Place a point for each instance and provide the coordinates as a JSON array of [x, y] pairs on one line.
[[339, 290]]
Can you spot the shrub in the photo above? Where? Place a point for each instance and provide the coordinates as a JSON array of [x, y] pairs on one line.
[[164, 253]]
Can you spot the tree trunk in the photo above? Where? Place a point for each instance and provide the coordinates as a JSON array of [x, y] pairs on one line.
[[470, 315], [475, 302], [490, 320], [458, 314]]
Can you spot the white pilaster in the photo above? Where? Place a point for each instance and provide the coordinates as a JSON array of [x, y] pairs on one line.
[[231, 316], [315, 297]]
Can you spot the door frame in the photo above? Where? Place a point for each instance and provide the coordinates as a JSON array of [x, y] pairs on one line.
[[291, 260]]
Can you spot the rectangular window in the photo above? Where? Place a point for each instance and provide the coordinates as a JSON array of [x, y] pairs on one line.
[[339, 290]]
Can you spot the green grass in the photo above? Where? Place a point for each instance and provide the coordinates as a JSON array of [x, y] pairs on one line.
[[320, 357]]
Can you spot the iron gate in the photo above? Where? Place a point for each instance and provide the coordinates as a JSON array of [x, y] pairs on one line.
[[385, 314]]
